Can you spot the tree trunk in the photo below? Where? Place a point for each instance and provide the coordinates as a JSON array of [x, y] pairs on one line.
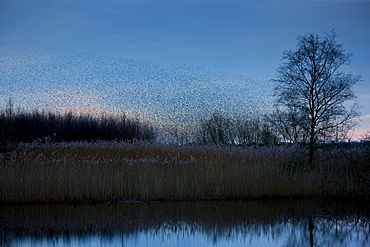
[[311, 149], [312, 131], [311, 228]]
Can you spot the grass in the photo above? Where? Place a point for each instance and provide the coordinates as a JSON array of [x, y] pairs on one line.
[[118, 171]]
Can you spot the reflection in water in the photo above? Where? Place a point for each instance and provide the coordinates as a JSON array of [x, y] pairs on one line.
[[200, 223]]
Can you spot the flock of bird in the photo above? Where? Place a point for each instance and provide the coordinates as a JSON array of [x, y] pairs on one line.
[[61, 80]]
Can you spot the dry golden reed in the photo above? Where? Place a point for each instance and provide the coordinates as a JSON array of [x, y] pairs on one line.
[[113, 172]]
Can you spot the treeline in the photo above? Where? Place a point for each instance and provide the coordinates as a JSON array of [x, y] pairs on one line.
[[219, 129], [22, 126], [268, 130]]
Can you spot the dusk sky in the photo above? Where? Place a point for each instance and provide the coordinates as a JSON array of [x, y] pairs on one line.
[[167, 61]]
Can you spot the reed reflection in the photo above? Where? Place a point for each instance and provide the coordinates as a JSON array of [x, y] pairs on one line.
[[282, 223]]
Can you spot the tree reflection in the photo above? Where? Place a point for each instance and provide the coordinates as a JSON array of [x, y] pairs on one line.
[[284, 223]]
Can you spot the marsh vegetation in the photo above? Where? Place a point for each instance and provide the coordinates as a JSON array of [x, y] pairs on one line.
[[121, 171]]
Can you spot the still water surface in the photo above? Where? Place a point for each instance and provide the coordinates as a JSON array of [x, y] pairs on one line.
[[198, 223]]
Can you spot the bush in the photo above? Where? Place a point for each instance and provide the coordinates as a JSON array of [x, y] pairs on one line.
[[30, 126]]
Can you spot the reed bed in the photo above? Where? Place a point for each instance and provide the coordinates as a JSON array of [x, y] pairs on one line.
[[117, 171]]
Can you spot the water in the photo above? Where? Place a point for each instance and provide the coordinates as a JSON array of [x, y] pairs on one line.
[[192, 223]]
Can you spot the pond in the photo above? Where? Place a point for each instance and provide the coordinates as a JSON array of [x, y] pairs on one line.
[[188, 223]]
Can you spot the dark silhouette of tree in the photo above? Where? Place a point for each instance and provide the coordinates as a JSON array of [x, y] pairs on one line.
[[217, 130], [310, 84], [286, 125], [221, 130], [24, 126]]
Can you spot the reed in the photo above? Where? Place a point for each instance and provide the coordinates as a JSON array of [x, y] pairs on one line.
[[118, 171]]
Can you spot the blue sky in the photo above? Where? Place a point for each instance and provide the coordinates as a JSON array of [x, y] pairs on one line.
[[165, 59]]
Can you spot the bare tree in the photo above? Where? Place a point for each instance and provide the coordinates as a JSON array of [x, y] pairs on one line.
[[285, 124], [310, 83], [248, 131], [217, 130]]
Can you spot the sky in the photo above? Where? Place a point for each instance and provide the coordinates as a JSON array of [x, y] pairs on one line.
[[168, 61]]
